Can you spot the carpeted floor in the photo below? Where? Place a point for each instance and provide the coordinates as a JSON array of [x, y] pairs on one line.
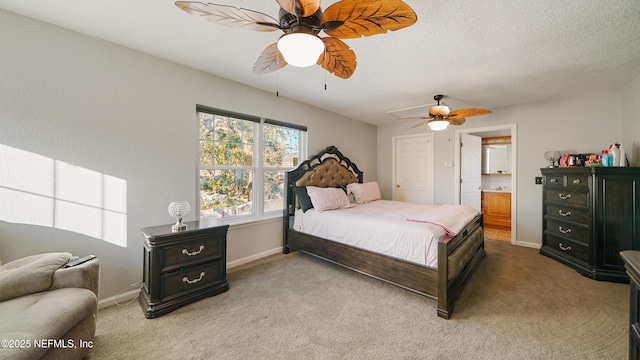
[[518, 305]]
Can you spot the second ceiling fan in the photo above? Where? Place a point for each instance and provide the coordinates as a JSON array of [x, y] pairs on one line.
[[302, 21], [440, 116]]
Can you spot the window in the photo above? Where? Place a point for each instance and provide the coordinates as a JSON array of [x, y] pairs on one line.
[[242, 164]]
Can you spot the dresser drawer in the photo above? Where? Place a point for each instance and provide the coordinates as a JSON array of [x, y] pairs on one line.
[[567, 230], [577, 180], [567, 197], [558, 180], [562, 180], [191, 279], [569, 248], [568, 213], [196, 249]]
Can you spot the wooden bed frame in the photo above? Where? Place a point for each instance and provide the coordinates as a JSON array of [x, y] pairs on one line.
[[458, 256]]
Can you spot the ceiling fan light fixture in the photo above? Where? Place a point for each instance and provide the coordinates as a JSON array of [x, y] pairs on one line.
[[300, 49], [440, 110], [438, 124]]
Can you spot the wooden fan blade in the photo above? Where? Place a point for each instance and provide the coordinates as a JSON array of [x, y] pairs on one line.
[[302, 8], [456, 121], [230, 16], [468, 112], [366, 18], [337, 58], [269, 60], [421, 123]]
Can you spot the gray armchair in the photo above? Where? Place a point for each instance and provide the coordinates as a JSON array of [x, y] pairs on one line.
[[48, 311]]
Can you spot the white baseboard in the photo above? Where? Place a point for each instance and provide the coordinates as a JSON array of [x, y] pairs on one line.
[[123, 298], [528, 244], [255, 257]]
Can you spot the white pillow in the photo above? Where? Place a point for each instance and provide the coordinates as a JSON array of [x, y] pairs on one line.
[[328, 198], [364, 193]]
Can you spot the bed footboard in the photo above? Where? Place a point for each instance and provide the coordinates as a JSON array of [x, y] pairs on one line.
[[458, 257], [411, 276]]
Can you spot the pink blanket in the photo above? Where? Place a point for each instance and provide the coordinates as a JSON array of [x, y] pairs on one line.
[[451, 218]]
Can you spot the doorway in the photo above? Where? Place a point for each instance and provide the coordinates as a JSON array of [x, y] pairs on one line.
[[462, 168]]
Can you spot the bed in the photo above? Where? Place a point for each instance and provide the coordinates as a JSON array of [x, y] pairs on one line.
[[439, 271]]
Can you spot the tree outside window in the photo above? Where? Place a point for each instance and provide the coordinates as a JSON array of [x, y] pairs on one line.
[[281, 152], [242, 163]]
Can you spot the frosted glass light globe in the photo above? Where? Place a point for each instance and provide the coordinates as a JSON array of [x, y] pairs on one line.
[[300, 49], [437, 125]]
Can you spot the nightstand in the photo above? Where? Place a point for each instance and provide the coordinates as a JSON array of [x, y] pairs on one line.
[[182, 267]]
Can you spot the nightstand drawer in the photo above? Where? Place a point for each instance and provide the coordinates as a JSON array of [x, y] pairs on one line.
[[568, 213], [196, 249], [569, 248], [566, 230], [191, 279], [568, 197]]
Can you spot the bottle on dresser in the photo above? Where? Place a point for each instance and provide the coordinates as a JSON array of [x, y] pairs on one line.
[[605, 158], [618, 155]]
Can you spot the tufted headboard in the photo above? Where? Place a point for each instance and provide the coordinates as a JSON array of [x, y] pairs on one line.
[[328, 173], [329, 168]]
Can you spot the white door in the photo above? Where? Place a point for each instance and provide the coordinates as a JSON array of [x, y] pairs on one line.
[[471, 170], [413, 170]]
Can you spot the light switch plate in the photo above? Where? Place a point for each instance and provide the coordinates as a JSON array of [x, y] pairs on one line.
[[448, 164]]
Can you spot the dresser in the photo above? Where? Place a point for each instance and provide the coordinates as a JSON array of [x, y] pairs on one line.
[[182, 267], [590, 215], [631, 260]]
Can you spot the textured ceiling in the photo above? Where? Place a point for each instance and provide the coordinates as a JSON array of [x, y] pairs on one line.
[[487, 54]]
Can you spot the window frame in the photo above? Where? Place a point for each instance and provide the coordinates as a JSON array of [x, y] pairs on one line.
[[258, 195]]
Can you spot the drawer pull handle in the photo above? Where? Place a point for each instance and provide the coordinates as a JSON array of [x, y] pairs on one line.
[[576, 181], [184, 251], [564, 214], [564, 197], [186, 279], [553, 180], [568, 248], [563, 230]]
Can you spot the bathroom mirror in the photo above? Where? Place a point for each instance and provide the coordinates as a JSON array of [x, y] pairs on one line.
[[496, 159]]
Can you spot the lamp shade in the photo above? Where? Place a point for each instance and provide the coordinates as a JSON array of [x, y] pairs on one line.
[[178, 210], [300, 49], [437, 125]]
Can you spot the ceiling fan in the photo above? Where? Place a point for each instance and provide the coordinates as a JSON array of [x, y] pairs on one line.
[[302, 21], [440, 116]]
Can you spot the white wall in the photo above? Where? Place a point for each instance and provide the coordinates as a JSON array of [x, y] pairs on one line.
[[631, 121], [106, 109], [579, 125]]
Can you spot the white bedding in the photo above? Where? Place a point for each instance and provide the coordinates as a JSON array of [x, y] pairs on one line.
[[382, 226]]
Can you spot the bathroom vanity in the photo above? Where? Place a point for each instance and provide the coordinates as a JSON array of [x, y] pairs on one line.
[[496, 207]]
